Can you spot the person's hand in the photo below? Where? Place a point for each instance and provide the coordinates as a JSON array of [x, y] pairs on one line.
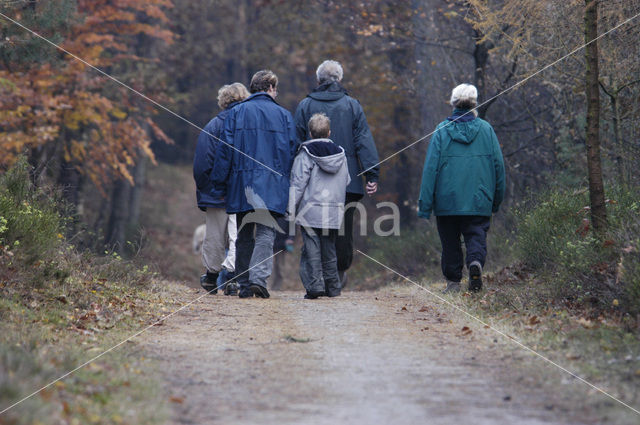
[[372, 187], [288, 245]]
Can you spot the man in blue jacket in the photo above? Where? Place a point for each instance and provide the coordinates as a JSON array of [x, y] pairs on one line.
[[462, 184], [349, 129], [254, 167], [211, 199]]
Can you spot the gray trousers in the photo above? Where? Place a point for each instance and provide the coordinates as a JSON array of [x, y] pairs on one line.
[[254, 252], [318, 262]]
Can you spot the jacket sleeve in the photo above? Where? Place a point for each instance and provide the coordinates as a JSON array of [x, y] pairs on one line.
[[203, 160], [429, 177], [498, 164], [364, 146], [300, 174], [301, 122], [224, 153]]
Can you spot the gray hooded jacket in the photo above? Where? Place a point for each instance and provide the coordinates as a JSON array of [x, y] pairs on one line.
[[319, 180]]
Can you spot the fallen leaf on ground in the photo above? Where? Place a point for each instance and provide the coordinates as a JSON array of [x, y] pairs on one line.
[[174, 399], [423, 309], [466, 330], [586, 323]]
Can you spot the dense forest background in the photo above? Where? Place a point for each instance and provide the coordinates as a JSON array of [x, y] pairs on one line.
[[96, 140]]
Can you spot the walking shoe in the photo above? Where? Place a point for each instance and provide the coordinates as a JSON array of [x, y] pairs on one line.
[[245, 293], [259, 291], [231, 288], [332, 294], [475, 276], [312, 295], [452, 287], [208, 281]]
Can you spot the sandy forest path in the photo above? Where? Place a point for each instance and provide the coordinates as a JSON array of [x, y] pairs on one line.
[[391, 356]]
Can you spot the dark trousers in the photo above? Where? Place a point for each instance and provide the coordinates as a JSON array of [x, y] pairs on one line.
[[318, 266], [474, 230], [344, 240]]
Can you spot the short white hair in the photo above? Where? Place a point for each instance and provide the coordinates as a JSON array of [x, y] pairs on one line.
[[464, 95], [329, 71]]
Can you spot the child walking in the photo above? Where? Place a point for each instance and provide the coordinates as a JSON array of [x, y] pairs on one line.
[[319, 180]]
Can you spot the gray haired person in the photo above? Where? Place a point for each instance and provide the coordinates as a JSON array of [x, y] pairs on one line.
[[319, 179], [211, 199], [463, 183], [349, 129]]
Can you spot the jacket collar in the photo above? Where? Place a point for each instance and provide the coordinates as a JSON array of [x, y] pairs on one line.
[[260, 95], [332, 86], [231, 105], [462, 115]]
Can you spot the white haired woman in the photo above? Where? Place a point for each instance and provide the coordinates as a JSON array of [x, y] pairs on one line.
[[462, 185], [211, 199]]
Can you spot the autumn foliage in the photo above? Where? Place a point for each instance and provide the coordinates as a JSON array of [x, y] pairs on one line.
[[54, 107]]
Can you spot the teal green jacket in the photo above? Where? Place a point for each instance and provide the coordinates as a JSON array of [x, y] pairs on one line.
[[464, 171]]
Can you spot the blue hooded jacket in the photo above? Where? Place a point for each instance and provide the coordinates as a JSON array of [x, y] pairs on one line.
[[349, 129], [256, 160], [204, 161]]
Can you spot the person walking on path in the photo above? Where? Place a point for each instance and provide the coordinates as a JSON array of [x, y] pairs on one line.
[[349, 129], [463, 183], [254, 166], [319, 179], [211, 199]]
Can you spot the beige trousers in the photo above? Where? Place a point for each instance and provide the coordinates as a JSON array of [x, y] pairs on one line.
[[215, 239]]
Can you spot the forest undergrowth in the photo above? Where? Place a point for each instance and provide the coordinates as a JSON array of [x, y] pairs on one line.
[[59, 308]]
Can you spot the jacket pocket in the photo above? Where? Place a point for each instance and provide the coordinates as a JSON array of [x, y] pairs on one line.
[[482, 200]]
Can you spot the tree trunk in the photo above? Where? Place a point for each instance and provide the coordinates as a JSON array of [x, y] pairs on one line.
[[594, 161], [480, 59], [139, 177], [115, 238], [615, 106]]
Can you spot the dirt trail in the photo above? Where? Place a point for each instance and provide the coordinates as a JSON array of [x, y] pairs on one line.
[[363, 358]]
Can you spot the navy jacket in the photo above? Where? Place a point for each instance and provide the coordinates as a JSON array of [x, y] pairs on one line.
[[349, 129], [204, 160], [255, 164]]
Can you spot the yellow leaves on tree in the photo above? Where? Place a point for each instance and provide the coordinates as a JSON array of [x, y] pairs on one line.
[[66, 107]]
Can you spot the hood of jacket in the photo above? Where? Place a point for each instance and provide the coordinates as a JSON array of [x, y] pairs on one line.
[[328, 155], [328, 92], [463, 131]]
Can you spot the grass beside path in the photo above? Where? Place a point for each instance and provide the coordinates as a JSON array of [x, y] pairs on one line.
[[50, 330], [602, 347]]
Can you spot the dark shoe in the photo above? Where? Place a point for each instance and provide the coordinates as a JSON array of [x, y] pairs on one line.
[[259, 291], [452, 287], [312, 295], [475, 276], [245, 293], [208, 281], [332, 294], [231, 288]]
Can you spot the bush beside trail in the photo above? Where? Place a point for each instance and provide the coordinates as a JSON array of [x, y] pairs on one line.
[[555, 239], [60, 308]]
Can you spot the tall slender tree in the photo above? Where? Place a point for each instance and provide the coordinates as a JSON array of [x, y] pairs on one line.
[[592, 91]]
